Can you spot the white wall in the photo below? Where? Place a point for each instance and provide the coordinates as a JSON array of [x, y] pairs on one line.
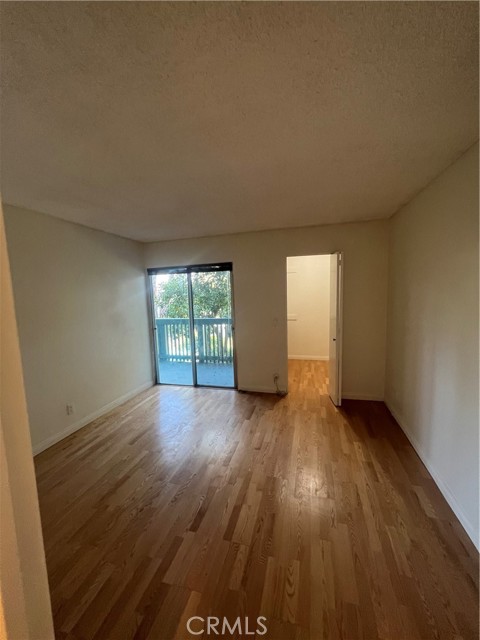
[[432, 364], [259, 273], [308, 302], [81, 304], [24, 596]]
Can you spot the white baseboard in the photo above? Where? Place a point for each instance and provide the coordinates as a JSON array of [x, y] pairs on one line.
[[361, 396], [258, 389], [324, 358], [49, 442], [444, 488]]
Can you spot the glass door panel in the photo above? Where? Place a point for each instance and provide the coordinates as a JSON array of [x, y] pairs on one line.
[[173, 340], [212, 321]]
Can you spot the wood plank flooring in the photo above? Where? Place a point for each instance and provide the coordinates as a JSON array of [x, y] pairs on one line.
[[204, 502]]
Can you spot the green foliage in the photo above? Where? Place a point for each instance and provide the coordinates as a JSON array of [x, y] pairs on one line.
[[211, 296]]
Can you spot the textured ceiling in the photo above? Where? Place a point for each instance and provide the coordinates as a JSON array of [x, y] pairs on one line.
[[158, 120]]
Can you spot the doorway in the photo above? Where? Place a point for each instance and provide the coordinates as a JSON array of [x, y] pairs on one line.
[[314, 314], [193, 325]]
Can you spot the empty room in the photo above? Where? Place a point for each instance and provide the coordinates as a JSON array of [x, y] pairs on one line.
[[239, 326]]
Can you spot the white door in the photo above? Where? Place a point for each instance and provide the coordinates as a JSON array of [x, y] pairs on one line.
[[335, 348]]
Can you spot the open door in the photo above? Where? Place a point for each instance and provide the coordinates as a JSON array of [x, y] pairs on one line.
[[335, 348]]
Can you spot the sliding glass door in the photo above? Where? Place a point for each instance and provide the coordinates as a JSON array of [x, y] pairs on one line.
[[173, 336], [212, 319], [193, 325]]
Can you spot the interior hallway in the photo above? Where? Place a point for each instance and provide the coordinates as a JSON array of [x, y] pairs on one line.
[[188, 501]]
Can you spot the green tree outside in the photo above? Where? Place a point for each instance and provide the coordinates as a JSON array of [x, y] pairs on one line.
[[211, 296]]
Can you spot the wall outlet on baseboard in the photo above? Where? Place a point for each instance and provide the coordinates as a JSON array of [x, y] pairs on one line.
[[70, 409]]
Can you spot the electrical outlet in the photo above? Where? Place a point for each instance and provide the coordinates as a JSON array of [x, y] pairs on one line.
[[69, 409]]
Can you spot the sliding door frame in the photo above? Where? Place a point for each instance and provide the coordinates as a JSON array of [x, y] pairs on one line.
[[188, 270], [153, 327], [192, 330]]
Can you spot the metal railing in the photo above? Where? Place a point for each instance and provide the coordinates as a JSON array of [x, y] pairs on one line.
[[213, 340]]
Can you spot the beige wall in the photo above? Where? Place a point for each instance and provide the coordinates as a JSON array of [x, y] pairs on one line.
[[308, 302], [81, 305], [24, 597], [432, 364], [259, 272]]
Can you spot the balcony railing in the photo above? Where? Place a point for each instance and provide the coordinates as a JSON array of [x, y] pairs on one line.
[[213, 340]]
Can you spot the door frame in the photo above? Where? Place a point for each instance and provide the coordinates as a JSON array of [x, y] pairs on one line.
[[188, 270], [327, 254], [338, 339], [193, 342]]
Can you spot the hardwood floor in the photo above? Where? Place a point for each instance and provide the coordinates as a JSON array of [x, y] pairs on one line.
[[203, 502]]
